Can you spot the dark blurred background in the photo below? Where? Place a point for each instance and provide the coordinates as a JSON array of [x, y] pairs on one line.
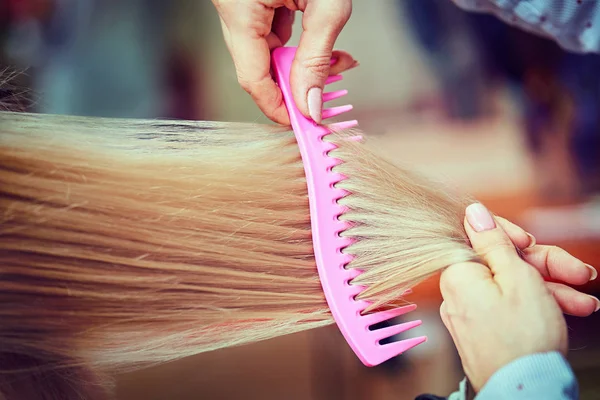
[[508, 116]]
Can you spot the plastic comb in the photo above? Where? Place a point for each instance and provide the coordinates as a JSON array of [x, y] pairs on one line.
[[326, 228]]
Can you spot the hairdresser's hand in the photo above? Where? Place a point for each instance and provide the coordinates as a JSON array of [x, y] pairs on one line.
[[558, 267], [503, 311], [252, 28]]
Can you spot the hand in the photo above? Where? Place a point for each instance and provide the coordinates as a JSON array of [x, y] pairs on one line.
[[555, 264], [252, 28], [505, 310]]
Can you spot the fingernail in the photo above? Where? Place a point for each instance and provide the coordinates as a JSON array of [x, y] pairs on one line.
[[315, 103], [594, 272], [597, 303], [333, 61], [532, 241], [480, 218], [354, 65]]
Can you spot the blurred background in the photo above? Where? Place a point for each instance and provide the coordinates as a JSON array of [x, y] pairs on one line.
[[508, 116]]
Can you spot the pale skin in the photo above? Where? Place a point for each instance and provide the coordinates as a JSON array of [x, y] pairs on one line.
[[502, 309], [253, 28], [497, 310]]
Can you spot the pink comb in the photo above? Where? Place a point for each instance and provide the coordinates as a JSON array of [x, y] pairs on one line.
[[326, 228]]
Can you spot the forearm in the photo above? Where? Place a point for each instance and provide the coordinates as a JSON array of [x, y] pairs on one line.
[[574, 25]]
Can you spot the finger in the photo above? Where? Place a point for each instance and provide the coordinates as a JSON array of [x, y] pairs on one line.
[[447, 321], [251, 59], [282, 24], [343, 62], [462, 281], [573, 302], [250, 51], [557, 264], [444, 316], [493, 245], [521, 238], [551, 261], [322, 22]]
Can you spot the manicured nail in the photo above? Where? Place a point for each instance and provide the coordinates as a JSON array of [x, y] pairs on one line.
[[597, 303], [532, 241], [480, 218], [594, 272], [315, 104]]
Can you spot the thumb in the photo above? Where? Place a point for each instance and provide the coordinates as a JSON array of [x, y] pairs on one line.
[[322, 22], [492, 244]]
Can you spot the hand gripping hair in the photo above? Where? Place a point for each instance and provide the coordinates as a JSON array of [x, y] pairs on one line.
[[126, 243]]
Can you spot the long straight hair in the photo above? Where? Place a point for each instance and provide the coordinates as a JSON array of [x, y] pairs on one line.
[[126, 243]]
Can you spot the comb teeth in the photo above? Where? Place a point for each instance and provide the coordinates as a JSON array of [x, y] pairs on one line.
[[333, 79], [388, 332], [381, 316], [338, 126], [329, 96], [335, 111], [328, 244], [402, 346]]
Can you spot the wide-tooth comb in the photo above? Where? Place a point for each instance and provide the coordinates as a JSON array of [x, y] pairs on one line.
[[326, 228]]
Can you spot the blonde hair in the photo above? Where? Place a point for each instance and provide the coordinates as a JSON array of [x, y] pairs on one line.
[[125, 243]]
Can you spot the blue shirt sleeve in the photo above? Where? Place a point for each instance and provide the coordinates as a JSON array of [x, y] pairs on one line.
[[545, 376], [573, 24]]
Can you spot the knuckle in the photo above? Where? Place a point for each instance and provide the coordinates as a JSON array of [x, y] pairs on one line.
[[345, 11], [553, 253], [459, 269], [318, 65], [338, 12], [245, 84], [444, 310], [492, 249], [223, 6], [446, 287], [249, 21], [452, 277], [292, 4], [553, 250]]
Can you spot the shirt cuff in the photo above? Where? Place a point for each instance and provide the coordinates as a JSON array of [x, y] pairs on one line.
[[538, 376]]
